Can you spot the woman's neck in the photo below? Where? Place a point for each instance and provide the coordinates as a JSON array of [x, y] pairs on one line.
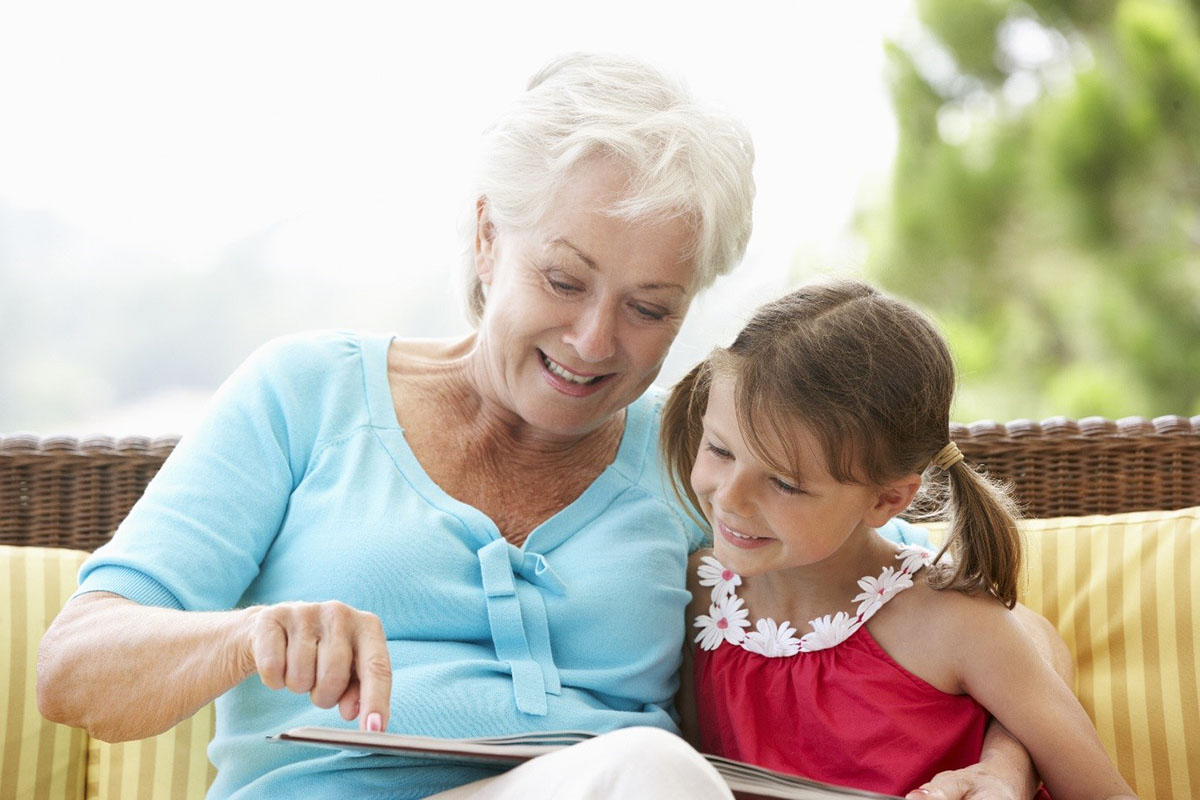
[[480, 452]]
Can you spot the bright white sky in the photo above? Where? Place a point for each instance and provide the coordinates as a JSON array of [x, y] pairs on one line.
[[177, 129]]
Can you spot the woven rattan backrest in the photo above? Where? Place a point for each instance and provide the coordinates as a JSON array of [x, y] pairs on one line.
[[63, 492], [1066, 468]]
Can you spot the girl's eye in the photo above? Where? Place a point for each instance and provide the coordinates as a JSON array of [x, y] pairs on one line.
[[650, 313], [719, 452], [786, 487]]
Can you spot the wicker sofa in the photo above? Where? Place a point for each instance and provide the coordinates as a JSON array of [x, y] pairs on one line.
[[1119, 587]]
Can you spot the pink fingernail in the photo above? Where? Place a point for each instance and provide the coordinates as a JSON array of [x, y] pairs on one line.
[[374, 721]]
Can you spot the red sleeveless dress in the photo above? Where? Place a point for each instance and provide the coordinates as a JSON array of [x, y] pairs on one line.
[[832, 705]]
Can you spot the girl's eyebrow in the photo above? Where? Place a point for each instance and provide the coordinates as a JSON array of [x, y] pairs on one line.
[[710, 429], [591, 264]]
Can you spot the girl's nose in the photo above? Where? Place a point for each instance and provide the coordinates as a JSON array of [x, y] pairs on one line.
[[733, 495]]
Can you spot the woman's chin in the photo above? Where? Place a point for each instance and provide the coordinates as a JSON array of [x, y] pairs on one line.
[[552, 419]]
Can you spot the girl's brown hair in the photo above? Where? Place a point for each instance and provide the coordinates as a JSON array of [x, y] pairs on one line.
[[872, 379]]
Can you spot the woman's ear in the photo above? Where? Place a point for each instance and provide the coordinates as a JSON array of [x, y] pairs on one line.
[[485, 242], [892, 499]]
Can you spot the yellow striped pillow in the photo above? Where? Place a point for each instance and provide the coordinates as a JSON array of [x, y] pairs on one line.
[[172, 765], [1123, 591], [37, 758]]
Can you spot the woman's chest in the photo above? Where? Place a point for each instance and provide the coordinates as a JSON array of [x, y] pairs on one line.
[[516, 495], [517, 489]]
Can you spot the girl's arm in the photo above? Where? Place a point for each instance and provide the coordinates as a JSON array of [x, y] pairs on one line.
[[999, 665], [1004, 769]]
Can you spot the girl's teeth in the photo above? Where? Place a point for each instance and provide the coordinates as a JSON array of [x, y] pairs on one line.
[[742, 535]]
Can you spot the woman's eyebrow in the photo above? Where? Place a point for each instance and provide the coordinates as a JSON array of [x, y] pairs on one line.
[[582, 256], [591, 263]]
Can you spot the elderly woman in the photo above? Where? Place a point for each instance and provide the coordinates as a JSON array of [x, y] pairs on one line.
[[452, 538]]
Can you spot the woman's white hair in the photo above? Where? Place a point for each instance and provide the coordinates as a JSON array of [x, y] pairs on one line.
[[684, 160]]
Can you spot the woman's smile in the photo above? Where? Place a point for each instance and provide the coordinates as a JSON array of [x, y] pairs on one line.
[[571, 382]]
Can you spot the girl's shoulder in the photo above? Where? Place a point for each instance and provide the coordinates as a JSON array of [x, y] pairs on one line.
[[931, 632]]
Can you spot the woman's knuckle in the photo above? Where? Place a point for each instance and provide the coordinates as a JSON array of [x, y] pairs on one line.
[[378, 666]]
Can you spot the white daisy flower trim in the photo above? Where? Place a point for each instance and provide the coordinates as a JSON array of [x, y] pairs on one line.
[[722, 579], [723, 623], [913, 557], [772, 640], [829, 631], [877, 591], [727, 617]]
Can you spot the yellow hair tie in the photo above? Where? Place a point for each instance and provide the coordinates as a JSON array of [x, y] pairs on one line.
[[947, 457]]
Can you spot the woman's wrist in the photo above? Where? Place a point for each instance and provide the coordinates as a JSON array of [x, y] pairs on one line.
[[238, 645], [1008, 760]]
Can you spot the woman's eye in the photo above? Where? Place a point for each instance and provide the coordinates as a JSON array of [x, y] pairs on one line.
[[650, 313], [786, 487], [563, 287]]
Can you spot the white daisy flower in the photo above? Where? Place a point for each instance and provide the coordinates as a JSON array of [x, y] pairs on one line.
[[772, 640], [723, 623], [828, 631], [723, 580], [877, 591], [913, 558]]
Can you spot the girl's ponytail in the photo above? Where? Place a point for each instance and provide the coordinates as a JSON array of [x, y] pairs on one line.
[[983, 538]]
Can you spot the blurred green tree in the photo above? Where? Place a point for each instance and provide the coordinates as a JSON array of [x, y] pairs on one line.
[[1045, 201]]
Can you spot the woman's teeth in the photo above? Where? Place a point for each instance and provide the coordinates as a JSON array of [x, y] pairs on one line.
[[568, 375]]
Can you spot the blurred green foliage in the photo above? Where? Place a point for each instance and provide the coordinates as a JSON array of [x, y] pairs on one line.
[[1045, 201]]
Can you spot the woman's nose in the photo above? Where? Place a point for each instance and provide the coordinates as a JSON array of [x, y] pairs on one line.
[[593, 335]]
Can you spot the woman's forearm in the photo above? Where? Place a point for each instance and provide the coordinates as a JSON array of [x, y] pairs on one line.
[[1006, 758], [126, 671]]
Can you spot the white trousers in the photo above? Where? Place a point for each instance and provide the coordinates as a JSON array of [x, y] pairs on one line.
[[627, 763]]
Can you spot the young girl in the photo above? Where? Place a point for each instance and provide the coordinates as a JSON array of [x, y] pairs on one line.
[[822, 648]]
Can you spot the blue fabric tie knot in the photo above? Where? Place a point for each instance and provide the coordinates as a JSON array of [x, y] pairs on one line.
[[517, 616]]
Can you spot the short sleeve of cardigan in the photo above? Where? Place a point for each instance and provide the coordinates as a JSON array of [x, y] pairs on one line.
[[197, 536], [903, 532]]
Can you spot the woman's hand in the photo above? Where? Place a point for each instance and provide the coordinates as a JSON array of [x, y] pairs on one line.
[[335, 653], [1004, 772], [975, 782], [126, 671]]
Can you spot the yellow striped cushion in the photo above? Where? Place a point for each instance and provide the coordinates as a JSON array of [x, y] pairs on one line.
[[173, 765], [1123, 591], [37, 758]]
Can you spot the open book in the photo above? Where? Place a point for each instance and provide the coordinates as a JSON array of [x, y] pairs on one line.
[[511, 750]]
